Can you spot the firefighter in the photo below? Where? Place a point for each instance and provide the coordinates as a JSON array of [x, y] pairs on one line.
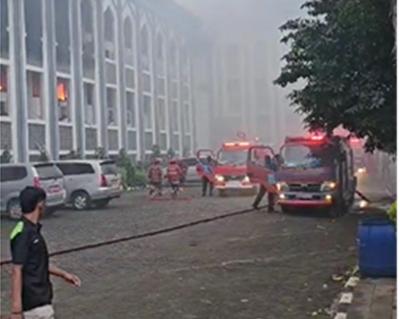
[[174, 175], [270, 164], [208, 176], [184, 169], [155, 177]]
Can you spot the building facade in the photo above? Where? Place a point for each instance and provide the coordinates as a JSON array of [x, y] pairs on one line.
[[243, 55], [79, 75]]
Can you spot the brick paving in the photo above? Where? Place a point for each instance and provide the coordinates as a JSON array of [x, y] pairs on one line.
[[257, 265], [374, 298], [131, 214]]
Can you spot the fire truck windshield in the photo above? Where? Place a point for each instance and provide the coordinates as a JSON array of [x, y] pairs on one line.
[[307, 156], [232, 157]]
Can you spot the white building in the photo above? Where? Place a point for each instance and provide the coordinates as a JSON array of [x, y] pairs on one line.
[[83, 74]]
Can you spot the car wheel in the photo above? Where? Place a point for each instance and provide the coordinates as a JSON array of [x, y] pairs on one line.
[[102, 203], [14, 209], [80, 200]]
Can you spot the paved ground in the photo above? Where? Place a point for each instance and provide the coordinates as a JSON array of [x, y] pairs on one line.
[[374, 298], [257, 265], [134, 213]]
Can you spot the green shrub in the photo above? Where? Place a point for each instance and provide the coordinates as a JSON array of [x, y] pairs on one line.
[[126, 168], [100, 153], [392, 212], [140, 178], [6, 156]]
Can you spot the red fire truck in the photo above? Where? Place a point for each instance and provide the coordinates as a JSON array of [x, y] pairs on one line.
[[316, 171], [357, 144], [230, 167]]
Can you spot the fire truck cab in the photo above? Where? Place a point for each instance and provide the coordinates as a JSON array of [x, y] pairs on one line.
[[360, 157], [316, 171], [231, 171]]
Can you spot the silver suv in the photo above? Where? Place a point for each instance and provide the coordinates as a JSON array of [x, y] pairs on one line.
[[90, 182], [15, 177]]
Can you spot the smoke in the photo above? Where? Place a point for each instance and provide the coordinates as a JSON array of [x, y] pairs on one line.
[[251, 29]]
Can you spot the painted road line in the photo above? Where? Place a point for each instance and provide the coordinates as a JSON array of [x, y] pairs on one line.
[[346, 298], [341, 315], [352, 282]]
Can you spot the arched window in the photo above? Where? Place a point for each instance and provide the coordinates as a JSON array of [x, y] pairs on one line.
[[144, 42], [109, 34], [173, 57], [61, 12], [160, 47], [145, 47], [128, 33], [34, 31], [88, 39], [4, 35], [128, 41]]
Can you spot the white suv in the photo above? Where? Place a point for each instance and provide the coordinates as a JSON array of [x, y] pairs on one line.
[[15, 177], [90, 182]]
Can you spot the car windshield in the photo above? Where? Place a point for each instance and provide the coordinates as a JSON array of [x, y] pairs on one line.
[[233, 157], [48, 171], [109, 168], [307, 156]]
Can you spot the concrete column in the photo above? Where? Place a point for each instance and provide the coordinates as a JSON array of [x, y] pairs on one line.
[[121, 76], [168, 100], [17, 80], [180, 113], [192, 108], [153, 39], [76, 79], [49, 63], [139, 69], [100, 67]]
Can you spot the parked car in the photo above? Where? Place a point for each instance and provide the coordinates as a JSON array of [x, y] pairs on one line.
[[90, 182], [15, 177], [191, 169]]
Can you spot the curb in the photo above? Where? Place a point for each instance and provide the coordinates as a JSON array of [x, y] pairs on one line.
[[346, 297]]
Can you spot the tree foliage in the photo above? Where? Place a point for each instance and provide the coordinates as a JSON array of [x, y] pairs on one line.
[[342, 57], [6, 156]]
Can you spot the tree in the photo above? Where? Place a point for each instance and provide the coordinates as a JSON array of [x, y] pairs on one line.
[[155, 151], [74, 154], [100, 153], [127, 169], [43, 155], [342, 55], [171, 153], [6, 155]]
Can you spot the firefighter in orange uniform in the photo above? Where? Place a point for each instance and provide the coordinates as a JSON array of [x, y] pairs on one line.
[[155, 177], [174, 176]]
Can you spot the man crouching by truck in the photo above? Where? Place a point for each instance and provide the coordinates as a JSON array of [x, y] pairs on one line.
[[31, 292], [273, 166]]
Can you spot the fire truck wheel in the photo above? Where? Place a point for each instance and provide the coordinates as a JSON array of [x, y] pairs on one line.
[[221, 193], [334, 212], [286, 209], [338, 209]]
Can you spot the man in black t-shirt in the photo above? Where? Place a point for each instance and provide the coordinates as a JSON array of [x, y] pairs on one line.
[[31, 287]]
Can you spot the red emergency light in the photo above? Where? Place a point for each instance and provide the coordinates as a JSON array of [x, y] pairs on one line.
[[355, 141], [236, 144], [317, 137], [306, 139]]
